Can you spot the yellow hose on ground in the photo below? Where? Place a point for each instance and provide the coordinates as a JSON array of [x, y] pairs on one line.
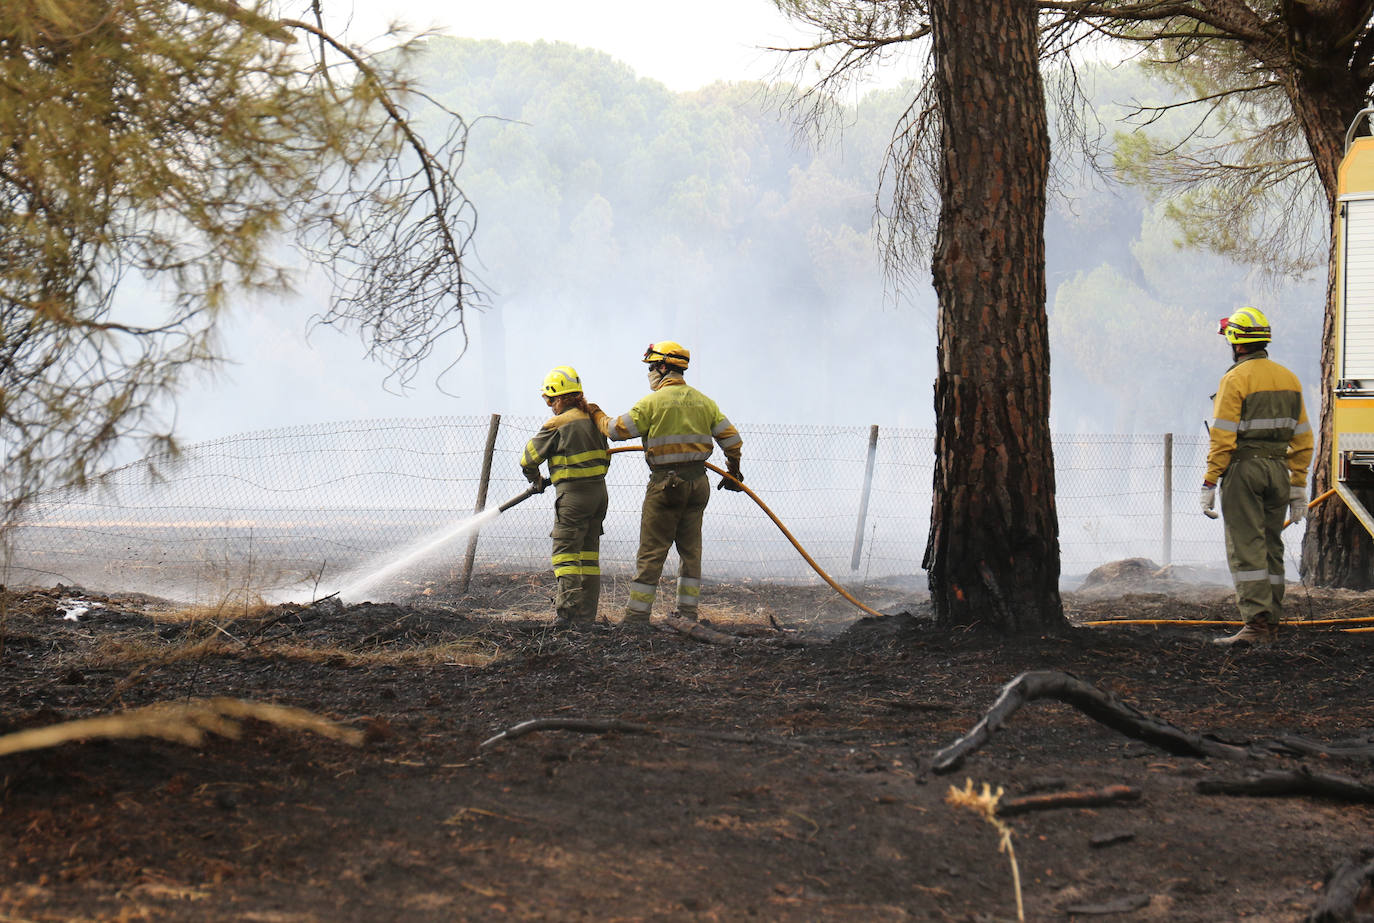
[[1092, 624], [1310, 623], [777, 522]]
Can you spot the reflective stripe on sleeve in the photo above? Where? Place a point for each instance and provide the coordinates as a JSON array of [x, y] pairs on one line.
[[1228, 426]]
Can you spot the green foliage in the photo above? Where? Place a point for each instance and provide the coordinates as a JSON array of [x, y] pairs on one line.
[[1221, 147], [178, 141]]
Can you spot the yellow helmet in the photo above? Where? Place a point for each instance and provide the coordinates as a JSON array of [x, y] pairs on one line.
[[1247, 325], [562, 380], [669, 351]]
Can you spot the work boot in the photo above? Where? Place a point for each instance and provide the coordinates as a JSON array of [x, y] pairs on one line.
[[1252, 633], [635, 620], [564, 619]]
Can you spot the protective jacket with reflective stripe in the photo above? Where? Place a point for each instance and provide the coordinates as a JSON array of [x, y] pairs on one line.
[[572, 445], [676, 423], [1258, 411]]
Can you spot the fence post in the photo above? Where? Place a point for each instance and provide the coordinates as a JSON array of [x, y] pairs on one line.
[[863, 502], [481, 498], [1168, 498]]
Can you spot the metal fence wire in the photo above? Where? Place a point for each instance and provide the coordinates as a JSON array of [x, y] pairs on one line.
[[296, 512]]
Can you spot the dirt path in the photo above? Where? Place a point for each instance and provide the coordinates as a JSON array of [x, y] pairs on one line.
[[786, 780]]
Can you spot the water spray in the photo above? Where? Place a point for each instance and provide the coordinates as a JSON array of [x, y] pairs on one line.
[[429, 544]]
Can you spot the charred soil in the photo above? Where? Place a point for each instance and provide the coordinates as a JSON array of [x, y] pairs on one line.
[[779, 770]]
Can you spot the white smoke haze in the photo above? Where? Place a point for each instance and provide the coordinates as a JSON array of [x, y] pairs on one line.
[[614, 212]]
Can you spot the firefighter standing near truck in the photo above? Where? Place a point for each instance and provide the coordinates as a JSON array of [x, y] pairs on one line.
[[676, 423], [1261, 443], [578, 459]]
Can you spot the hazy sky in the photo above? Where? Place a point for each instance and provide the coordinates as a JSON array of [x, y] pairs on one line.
[[274, 376], [685, 46]]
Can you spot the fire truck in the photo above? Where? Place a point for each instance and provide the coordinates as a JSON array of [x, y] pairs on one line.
[[1352, 442]]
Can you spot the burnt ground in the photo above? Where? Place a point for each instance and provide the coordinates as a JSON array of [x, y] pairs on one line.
[[788, 778]]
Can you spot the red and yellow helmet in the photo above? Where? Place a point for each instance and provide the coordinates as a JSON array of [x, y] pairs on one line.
[[668, 351], [1246, 325]]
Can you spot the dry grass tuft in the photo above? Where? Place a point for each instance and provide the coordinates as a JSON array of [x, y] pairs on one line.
[[152, 652], [182, 722], [227, 609], [449, 653], [984, 804]]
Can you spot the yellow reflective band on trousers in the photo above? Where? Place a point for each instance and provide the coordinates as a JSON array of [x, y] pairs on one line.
[[581, 562], [688, 593], [642, 597]]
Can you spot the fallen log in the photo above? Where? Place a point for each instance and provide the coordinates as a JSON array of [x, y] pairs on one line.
[[1086, 798], [697, 631], [1354, 748], [1300, 781], [1341, 896]]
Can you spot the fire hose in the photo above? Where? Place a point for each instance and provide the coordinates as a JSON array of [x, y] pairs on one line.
[[539, 488], [744, 488]]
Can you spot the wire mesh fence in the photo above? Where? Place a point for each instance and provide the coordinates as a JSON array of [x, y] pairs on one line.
[[292, 513]]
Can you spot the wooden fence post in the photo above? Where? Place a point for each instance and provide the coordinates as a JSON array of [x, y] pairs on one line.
[[482, 483], [863, 503], [1168, 498]]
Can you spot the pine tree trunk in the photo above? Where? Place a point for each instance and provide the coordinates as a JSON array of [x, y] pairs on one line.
[[993, 551]]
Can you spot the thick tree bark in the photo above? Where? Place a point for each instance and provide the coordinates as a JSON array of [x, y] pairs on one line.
[[993, 550], [1336, 549]]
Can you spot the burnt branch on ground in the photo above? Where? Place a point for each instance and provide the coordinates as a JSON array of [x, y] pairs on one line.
[[1300, 781], [614, 725], [1348, 881], [1089, 798], [1110, 711]]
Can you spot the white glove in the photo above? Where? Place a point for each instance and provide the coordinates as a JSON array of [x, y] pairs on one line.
[[1207, 499], [1297, 504]]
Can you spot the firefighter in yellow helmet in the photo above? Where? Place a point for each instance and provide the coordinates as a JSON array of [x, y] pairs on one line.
[[577, 456], [1260, 448], [676, 423]]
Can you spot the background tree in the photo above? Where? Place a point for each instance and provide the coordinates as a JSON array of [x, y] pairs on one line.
[[183, 141], [1286, 80], [979, 124], [993, 553]]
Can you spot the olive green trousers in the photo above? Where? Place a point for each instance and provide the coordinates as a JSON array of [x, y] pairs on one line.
[[579, 511], [674, 507], [1254, 507]]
